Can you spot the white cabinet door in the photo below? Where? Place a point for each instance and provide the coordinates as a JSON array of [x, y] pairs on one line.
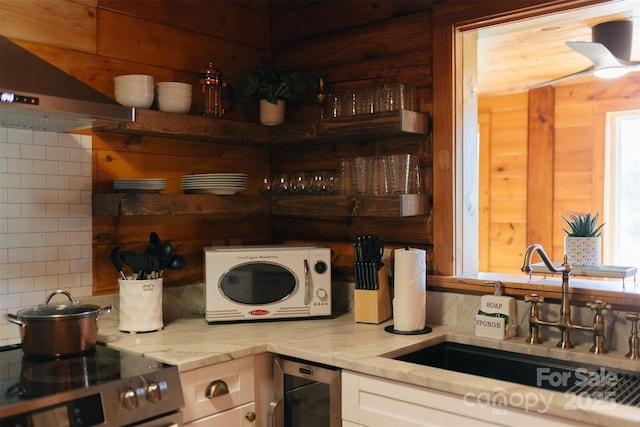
[[376, 402], [241, 416]]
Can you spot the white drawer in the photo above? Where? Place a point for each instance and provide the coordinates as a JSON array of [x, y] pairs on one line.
[[237, 375], [242, 416]]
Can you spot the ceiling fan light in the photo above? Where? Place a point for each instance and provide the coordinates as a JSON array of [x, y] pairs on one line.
[[610, 72]]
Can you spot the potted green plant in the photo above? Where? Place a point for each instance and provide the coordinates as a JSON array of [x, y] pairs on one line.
[[583, 240], [272, 86]]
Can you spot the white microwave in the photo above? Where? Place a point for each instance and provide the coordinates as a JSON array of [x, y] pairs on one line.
[[266, 282]]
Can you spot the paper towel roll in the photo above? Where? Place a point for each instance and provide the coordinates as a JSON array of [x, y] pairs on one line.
[[410, 290]]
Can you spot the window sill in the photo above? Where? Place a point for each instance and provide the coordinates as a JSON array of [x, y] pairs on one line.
[[515, 285]]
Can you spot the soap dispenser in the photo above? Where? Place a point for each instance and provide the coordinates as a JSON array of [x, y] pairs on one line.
[[497, 317]]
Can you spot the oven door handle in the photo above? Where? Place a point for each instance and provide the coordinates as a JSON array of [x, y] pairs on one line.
[[272, 413], [307, 283]]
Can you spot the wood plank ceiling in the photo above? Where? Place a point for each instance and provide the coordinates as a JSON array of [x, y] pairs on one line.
[[514, 57]]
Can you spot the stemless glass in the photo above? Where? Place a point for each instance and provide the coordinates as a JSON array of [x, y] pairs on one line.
[[280, 183]]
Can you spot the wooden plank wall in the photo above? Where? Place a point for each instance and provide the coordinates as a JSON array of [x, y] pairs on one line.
[[354, 45], [578, 160], [503, 182], [95, 40]]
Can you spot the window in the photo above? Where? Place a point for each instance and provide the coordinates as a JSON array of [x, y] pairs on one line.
[[622, 192]]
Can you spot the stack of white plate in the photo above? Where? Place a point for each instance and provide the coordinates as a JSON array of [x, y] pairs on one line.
[[140, 185], [214, 183]]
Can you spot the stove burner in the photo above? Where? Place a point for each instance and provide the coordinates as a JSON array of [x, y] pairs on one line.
[[44, 377], [87, 388]]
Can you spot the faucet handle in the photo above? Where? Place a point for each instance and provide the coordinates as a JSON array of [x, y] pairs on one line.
[[534, 298], [634, 340], [598, 306]]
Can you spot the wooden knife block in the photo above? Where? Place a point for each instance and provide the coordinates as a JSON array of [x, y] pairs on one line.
[[373, 306]]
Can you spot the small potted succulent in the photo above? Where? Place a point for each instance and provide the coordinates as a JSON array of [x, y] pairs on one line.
[[583, 240], [272, 86]]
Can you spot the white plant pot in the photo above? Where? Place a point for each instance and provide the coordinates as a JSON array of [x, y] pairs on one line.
[[271, 114], [583, 250]]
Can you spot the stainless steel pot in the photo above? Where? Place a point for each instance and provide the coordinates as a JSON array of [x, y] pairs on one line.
[[55, 330]]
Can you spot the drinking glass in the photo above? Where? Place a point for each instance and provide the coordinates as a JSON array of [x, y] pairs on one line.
[[401, 173]]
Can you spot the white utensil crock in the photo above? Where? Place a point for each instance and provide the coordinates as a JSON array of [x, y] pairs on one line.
[[140, 305]]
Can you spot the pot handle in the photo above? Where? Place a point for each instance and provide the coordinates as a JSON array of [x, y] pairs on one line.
[[104, 310], [12, 318], [63, 292]]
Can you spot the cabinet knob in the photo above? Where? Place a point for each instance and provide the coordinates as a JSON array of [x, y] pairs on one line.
[[216, 388], [250, 416]]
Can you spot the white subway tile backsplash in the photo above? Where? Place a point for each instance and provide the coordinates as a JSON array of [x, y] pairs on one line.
[[69, 196], [10, 151], [79, 209], [57, 210], [10, 180], [20, 284], [57, 182], [34, 240], [80, 183], [80, 237], [33, 269], [45, 219], [19, 195], [45, 196], [45, 253], [45, 138], [33, 210], [36, 152], [20, 166], [70, 252], [43, 283], [71, 168], [11, 240], [20, 225], [57, 267], [20, 255], [57, 153], [46, 167], [32, 181], [70, 224], [10, 300], [79, 265], [58, 239]]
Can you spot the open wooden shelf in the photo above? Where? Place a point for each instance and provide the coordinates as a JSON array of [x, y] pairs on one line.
[[130, 204], [127, 204], [390, 124], [387, 124], [185, 126], [339, 205]]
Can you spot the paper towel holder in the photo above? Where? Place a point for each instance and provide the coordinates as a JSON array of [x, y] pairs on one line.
[[390, 329]]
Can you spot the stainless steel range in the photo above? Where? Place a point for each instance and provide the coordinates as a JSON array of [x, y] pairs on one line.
[[103, 387]]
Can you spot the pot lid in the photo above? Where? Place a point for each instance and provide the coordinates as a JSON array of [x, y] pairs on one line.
[[47, 311]]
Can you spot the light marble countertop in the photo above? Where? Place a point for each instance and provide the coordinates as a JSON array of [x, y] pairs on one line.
[[191, 343]]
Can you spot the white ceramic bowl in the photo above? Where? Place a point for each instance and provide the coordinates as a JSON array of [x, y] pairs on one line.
[[134, 90], [174, 97]]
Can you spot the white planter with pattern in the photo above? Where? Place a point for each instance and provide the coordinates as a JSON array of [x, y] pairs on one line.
[[583, 250]]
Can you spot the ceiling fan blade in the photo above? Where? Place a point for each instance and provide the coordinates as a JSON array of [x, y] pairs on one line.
[[597, 53], [585, 72]]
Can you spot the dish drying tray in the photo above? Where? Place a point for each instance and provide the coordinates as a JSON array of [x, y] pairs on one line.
[[607, 271]]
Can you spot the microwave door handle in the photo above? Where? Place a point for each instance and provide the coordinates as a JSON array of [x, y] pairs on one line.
[[307, 283]]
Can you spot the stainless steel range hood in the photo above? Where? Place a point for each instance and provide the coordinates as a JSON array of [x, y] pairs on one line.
[[36, 95]]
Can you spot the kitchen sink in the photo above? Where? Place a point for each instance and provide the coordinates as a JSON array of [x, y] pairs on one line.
[[536, 371]]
